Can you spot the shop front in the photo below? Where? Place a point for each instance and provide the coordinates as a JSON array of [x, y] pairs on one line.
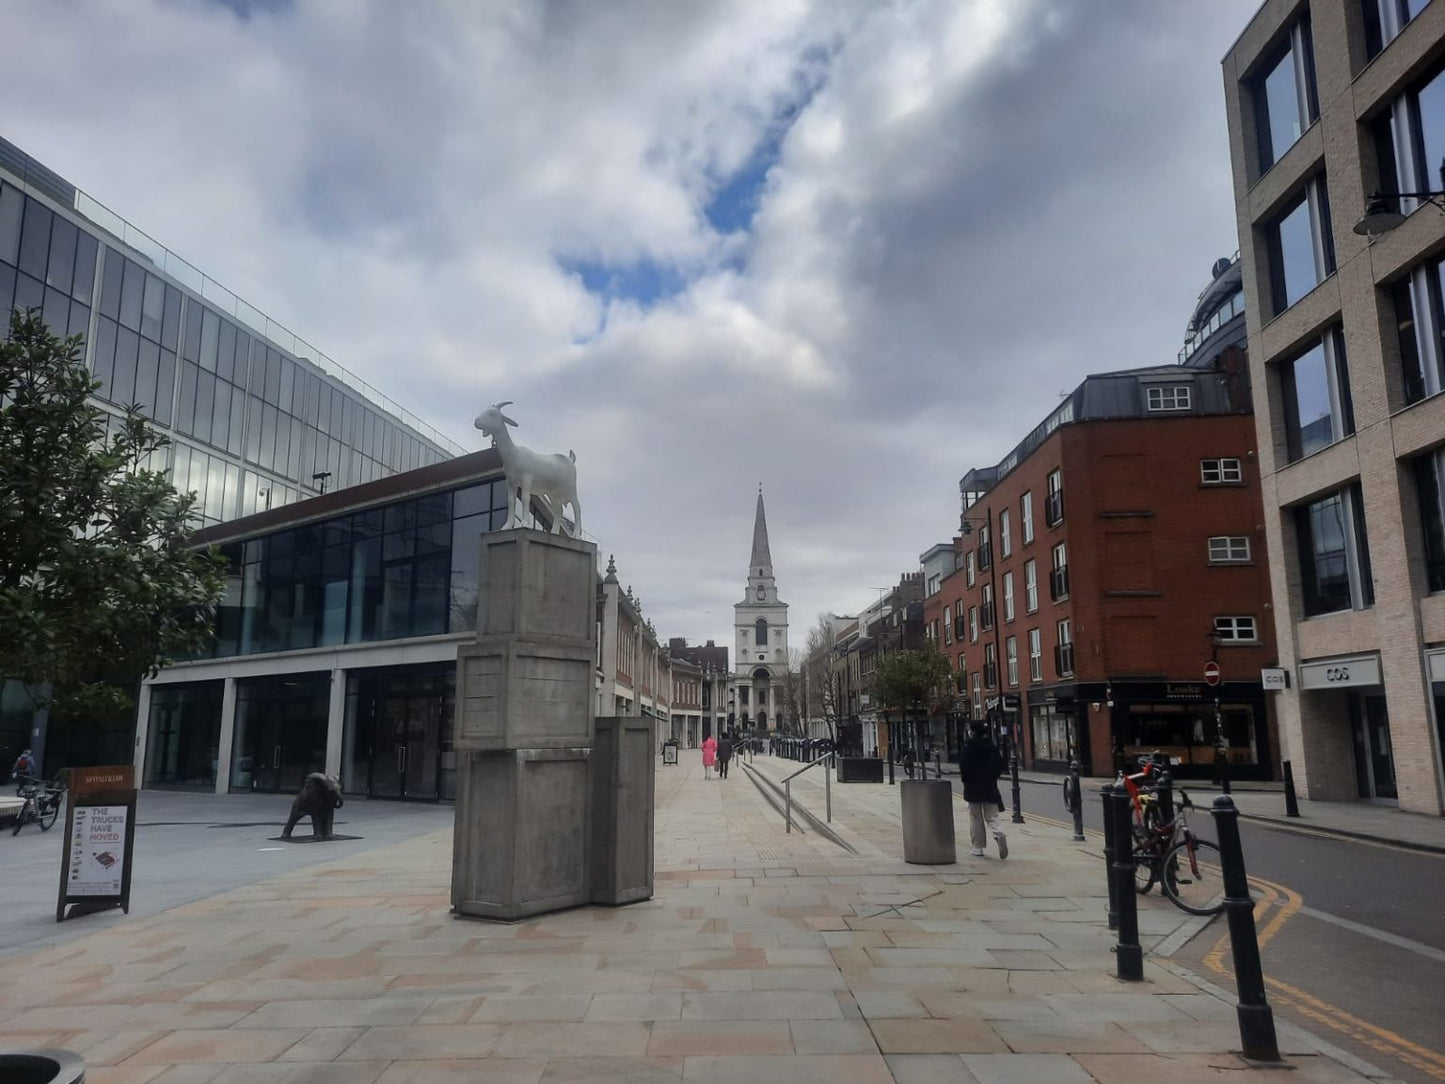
[[1198, 726], [185, 735], [1435, 669], [1359, 681]]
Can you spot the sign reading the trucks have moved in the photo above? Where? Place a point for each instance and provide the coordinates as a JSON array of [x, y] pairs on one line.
[[99, 840], [97, 850]]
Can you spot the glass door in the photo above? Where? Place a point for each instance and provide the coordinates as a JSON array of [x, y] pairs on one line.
[[399, 731], [280, 732]]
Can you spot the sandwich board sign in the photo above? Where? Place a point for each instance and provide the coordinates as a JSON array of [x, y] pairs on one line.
[[95, 866]]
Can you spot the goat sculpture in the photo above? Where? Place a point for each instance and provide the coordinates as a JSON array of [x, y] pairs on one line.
[[551, 477]]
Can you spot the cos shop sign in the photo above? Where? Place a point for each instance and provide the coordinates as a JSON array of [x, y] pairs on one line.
[[1344, 673]]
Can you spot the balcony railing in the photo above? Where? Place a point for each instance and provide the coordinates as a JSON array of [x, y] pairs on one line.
[[986, 615], [960, 627], [990, 674], [1064, 659], [1059, 583], [1054, 508], [985, 557]]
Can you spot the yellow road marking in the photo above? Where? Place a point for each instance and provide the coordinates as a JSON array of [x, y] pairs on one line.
[[1288, 902]]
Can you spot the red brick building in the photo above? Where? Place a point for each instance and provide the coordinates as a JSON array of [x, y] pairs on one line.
[[1101, 565]]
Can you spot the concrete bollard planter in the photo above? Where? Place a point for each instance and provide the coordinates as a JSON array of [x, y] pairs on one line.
[[928, 837]]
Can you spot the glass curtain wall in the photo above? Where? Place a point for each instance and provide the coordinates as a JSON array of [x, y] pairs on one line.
[[406, 569]]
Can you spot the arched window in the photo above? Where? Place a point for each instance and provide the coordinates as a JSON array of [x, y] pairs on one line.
[[762, 631]]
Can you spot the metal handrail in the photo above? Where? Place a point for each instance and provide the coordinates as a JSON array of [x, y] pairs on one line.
[[827, 789]]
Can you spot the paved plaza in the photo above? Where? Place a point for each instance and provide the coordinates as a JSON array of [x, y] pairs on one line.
[[764, 956]]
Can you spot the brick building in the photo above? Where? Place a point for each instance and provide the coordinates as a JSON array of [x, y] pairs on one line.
[[1329, 101], [1108, 558]]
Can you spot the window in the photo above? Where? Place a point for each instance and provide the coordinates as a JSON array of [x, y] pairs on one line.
[[1333, 554], [1054, 501], [1011, 658], [1317, 397], [1059, 577], [1005, 534], [1235, 630], [973, 624], [1036, 656], [977, 693], [1220, 472], [1064, 650], [1226, 549], [1420, 321], [1026, 517], [947, 625], [986, 613], [985, 549], [1301, 247], [990, 666], [761, 631], [1031, 586], [1008, 596], [1161, 397], [1284, 95], [762, 593], [970, 570], [1384, 19], [1430, 484]]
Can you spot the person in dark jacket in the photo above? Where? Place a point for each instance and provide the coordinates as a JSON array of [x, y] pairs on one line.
[[979, 767], [724, 754]]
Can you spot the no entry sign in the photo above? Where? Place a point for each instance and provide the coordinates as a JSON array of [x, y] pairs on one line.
[[1211, 673]]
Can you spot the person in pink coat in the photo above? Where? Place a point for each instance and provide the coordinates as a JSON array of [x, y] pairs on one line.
[[709, 756]]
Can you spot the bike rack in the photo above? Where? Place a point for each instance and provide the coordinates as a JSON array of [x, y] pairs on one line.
[[827, 789]]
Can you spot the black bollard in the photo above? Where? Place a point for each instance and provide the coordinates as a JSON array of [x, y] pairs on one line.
[[1128, 954], [1078, 799], [890, 767], [1291, 800], [1165, 796], [1013, 767], [938, 763], [1256, 1019], [1106, 796]]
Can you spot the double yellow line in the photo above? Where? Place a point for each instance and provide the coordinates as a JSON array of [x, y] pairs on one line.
[[1285, 903]]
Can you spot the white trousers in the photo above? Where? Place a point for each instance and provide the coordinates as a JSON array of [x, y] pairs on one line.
[[982, 821]]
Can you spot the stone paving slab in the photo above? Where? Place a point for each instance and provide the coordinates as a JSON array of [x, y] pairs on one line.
[[764, 956]]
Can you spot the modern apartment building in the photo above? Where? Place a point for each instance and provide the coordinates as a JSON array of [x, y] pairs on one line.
[[1112, 561], [1328, 102], [257, 417]]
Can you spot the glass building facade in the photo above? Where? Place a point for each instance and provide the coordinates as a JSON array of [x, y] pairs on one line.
[[257, 418], [393, 572]]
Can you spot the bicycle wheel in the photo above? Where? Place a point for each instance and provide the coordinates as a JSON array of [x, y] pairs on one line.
[[1146, 870], [1194, 882], [21, 817], [49, 812], [1068, 796]]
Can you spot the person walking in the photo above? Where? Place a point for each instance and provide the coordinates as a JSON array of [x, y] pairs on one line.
[[724, 754], [979, 767], [709, 755]]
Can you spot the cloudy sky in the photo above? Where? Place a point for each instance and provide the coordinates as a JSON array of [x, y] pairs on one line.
[[846, 250]]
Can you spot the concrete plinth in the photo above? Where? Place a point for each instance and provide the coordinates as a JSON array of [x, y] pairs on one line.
[[623, 786], [524, 730]]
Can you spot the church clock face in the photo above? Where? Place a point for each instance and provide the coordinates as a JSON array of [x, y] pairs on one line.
[[762, 592]]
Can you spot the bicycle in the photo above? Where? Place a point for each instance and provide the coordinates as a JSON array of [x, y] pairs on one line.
[[42, 803], [1170, 854]]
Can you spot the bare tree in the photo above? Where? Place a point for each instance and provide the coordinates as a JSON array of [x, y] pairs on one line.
[[820, 682]]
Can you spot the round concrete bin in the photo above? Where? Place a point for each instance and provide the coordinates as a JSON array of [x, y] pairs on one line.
[[928, 822], [41, 1067]]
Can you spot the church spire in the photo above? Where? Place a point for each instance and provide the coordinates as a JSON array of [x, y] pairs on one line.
[[762, 558]]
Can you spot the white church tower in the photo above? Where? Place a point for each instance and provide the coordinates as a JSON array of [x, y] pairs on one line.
[[761, 628]]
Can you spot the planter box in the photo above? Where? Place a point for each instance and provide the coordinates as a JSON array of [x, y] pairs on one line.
[[860, 769]]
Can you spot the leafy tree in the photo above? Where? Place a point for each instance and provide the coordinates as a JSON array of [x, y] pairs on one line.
[[818, 669], [98, 588], [914, 681]]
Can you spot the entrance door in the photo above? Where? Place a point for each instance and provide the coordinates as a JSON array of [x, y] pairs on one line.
[[402, 725], [280, 732], [1375, 758]]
